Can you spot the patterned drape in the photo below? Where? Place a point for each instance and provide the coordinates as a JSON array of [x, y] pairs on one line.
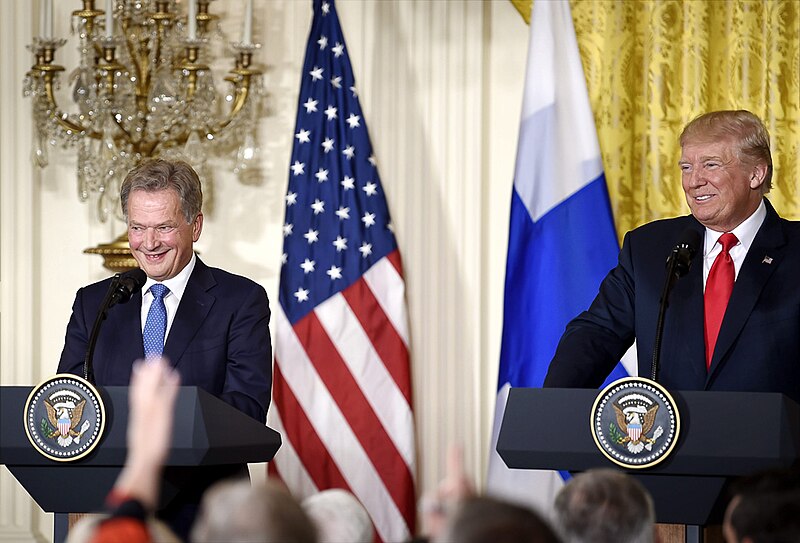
[[653, 65]]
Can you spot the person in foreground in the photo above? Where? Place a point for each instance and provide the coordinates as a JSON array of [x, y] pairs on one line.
[[732, 322], [765, 508], [235, 511], [604, 506], [212, 325], [151, 399]]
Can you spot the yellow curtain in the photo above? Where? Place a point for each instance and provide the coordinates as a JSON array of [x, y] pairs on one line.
[[653, 65]]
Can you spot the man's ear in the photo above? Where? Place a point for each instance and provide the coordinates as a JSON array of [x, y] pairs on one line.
[[758, 175]]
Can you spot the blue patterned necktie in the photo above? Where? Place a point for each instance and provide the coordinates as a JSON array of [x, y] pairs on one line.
[[155, 327]]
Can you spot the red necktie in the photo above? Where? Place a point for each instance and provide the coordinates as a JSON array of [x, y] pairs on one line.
[[719, 286]]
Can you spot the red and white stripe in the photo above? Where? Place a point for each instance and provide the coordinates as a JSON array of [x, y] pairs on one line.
[[342, 399]]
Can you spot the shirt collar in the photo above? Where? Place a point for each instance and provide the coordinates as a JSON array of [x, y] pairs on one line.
[[177, 284], [745, 232]]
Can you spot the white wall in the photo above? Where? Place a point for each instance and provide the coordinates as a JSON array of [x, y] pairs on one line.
[[441, 87]]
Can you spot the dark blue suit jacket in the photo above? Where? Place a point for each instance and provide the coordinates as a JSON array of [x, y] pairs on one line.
[[219, 340], [758, 348]]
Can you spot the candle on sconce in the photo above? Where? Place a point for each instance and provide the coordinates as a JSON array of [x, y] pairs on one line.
[[46, 19], [192, 19], [109, 18], [247, 31]]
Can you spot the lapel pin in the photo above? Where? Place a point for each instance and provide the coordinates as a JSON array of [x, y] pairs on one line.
[[767, 260]]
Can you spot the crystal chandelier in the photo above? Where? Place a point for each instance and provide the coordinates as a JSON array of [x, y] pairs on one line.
[[143, 88]]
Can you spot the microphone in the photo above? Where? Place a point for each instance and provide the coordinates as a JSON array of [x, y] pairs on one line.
[[122, 287], [684, 251], [125, 285], [678, 264]]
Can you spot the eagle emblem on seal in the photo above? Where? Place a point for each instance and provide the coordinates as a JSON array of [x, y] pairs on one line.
[[636, 416], [64, 417]]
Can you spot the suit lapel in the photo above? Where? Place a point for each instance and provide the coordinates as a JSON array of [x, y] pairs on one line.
[[195, 306], [120, 343], [763, 258]]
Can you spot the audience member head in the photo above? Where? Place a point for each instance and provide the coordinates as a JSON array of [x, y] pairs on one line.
[[245, 513], [339, 517], [605, 506], [765, 509], [85, 530], [484, 519]]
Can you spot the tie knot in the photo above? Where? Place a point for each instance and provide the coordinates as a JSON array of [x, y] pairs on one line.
[[159, 291], [727, 240]]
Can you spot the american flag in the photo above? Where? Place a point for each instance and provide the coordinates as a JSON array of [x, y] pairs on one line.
[[342, 385]]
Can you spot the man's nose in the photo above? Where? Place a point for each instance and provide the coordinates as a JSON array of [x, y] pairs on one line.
[[694, 178], [150, 238]]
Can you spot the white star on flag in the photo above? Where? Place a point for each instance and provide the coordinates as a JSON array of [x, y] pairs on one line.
[[310, 105], [368, 219], [298, 168], [365, 249], [311, 236], [349, 151], [287, 229], [301, 295], [303, 136], [340, 243], [316, 74], [321, 175], [330, 112], [327, 145], [336, 82], [353, 120], [343, 212], [334, 273], [308, 265], [323, 43], [318, 206], [337, 49], [291, 198], [348, 183], [370, 188]]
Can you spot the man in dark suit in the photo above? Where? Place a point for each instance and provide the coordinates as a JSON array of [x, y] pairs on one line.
[[210, 324], [741, 337]]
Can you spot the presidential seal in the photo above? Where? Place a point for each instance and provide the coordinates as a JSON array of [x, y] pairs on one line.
[[64, 418], [635, 422]]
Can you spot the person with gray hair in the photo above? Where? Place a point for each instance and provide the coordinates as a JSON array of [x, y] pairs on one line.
[[235, 511], [604, 506], [212, 325], [339, 517]]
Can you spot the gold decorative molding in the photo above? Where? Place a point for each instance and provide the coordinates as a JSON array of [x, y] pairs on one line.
[[116, 255]]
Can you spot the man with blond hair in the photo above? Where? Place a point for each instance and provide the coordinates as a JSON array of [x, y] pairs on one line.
[[733, 320]]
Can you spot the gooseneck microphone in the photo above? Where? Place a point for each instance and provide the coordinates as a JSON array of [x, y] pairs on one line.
[[122, 287], [678, 264]]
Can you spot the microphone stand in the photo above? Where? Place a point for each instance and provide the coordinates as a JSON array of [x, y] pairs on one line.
[[672, 276], [88, 372]]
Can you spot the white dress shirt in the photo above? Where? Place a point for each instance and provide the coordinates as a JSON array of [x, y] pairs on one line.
[[745, 233], [176, 286]]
